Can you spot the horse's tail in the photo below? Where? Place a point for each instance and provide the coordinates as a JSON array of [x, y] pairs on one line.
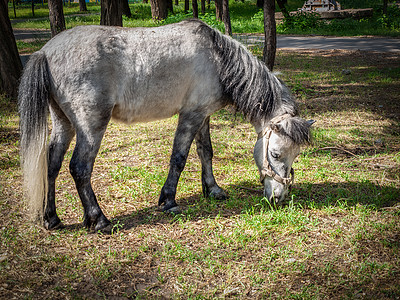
[[33, 101]]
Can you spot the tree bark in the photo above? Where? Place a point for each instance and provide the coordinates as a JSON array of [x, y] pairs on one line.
[[282, 7], [270, 33], [195, 7], [218, 10], [226, 17], [186, 6], [159, 9], [170, 6], [111, 12], [385, 6], [203, 6], [125, 8], [82, 5], [56, 16], [10, 63]]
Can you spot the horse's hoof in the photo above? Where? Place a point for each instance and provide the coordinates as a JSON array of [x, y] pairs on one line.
[[104, 229], [176, 210], [53, 224], [101, 224], [218, 194]]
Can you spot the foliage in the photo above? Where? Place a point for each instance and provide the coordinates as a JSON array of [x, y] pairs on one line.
[[301, 21]]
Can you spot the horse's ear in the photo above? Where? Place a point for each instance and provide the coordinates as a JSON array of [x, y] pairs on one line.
[[310, 122]]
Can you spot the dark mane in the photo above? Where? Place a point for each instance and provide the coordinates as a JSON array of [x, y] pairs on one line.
[[255, 91]]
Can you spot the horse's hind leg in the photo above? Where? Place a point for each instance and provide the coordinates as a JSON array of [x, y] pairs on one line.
[[88, 142], [205, 152], [61, 136], [188, 125]]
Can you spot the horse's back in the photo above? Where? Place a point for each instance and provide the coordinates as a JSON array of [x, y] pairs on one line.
[[143, 73]]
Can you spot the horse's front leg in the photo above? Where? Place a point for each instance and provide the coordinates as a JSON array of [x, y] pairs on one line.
[[188, 126], [205, 152]]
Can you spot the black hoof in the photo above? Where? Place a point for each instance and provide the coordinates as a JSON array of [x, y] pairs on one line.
[[171, 207], [101, 224], [217, 194], [53, 223], [176, 210]]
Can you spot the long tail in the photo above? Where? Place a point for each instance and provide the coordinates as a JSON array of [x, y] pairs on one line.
[[33, 101]]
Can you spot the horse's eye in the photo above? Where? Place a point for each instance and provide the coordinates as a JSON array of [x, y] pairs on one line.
[[275, 155]]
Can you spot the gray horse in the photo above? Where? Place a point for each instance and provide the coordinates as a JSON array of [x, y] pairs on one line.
[[87, 75]]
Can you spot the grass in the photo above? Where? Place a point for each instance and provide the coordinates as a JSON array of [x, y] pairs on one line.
[[337, 237]]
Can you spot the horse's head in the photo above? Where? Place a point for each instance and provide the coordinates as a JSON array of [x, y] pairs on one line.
[[277, 147]]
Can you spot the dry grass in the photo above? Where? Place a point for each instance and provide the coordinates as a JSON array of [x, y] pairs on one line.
[[339, 237]]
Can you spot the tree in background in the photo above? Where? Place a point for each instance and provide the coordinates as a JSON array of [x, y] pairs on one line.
[[170, 6], [385, 6], [203, 6], [159, 9], [186, 6], [226, 17], [82, 5], [111, 12], [10, 63], [56, 16], [195, 7], [270, 33], [125, 8], [218, 10]]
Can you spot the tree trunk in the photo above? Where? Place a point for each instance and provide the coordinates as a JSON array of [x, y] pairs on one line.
[[33, 8], [170, 6], [125, 8], [227, 18], [270, 33], [10, 63], [82, 5], [282, 7], [203, 6], [15, 12], [385, 6], [56, 16], [111, 12], [186, 6], [218, 10], [195, 7], [176, 2], [159, 9], [260, 3]]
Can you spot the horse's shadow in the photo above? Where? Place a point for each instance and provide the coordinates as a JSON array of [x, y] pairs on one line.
[[304, 195]]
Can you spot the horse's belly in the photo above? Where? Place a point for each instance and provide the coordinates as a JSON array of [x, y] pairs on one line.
[[150, 111]]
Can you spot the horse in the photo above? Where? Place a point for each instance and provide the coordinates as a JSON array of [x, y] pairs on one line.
[[87, 75]]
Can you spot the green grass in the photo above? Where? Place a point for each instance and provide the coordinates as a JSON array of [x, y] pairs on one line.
[[337, 236]]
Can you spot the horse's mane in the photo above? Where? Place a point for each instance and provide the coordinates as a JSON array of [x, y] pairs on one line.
[[255, 91]]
